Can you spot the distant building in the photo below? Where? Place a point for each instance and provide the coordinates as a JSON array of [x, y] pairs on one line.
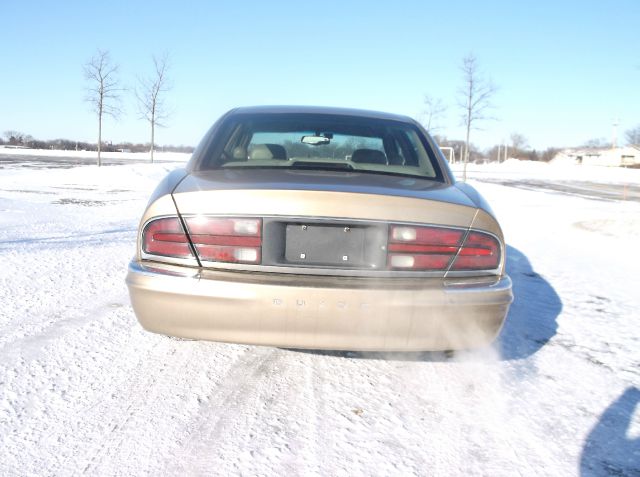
[[610, 157]]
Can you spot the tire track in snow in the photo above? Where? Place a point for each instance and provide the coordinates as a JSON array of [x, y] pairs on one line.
[[47, 330], [261, 420], [142, 393], [185, 373], [55, 374], [132, 407], [139, 425], [225, 406], [356, 421]]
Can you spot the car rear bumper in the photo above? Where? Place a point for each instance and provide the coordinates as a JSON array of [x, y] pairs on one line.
[[319, 312]]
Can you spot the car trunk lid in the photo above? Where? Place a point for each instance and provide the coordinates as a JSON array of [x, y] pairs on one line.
[[351, 195], [323, 220]]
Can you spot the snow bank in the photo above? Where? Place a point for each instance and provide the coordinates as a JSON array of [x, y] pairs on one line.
[[557, 171]]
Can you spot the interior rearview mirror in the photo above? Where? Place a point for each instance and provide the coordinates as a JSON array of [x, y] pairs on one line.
[[315, 140]]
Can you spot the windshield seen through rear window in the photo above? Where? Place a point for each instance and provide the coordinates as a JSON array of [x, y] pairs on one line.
[[315, 142]]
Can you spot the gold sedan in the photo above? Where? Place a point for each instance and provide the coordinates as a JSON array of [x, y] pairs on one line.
[[320, 228]]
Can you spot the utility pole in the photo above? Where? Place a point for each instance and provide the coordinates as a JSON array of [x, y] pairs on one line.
[[614, 137]]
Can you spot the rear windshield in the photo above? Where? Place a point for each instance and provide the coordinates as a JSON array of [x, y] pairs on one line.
[[320, 142]]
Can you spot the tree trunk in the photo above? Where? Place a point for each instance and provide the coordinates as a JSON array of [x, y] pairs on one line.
[[99, 135], [466, 154], [153, 131], [466, 144]]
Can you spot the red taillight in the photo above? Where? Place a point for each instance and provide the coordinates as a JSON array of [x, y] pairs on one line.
[[166, 237], [433, 248], [215, 239], [480, 252], [422, 248], [236, 240]]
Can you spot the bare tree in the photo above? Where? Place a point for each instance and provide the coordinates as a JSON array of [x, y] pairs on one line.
[[519, 141], [434, 109], [475, 100], [104, 89], [150, 95], [633, 136], [28, 140], [14, 137]]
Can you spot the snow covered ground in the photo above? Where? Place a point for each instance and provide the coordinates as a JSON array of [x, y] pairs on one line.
[[158, 155], [84, 390]]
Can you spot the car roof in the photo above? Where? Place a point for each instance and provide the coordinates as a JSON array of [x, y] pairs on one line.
[[320, 110]]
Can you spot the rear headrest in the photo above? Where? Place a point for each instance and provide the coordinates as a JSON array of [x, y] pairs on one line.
[[370, 156], [268, 151], [239, 153]]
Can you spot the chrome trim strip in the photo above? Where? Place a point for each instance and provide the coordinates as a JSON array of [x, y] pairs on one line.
[[149, 270], [485, 291], [466, 286]]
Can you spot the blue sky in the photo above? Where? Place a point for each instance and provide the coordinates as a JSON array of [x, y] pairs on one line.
[[564, 69]]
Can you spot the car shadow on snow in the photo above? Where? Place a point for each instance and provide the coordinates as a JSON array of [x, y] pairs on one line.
[[531, 323], [608, 449], [532, 318]]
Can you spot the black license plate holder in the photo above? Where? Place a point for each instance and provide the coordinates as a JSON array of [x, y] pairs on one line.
[[326, 245]]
